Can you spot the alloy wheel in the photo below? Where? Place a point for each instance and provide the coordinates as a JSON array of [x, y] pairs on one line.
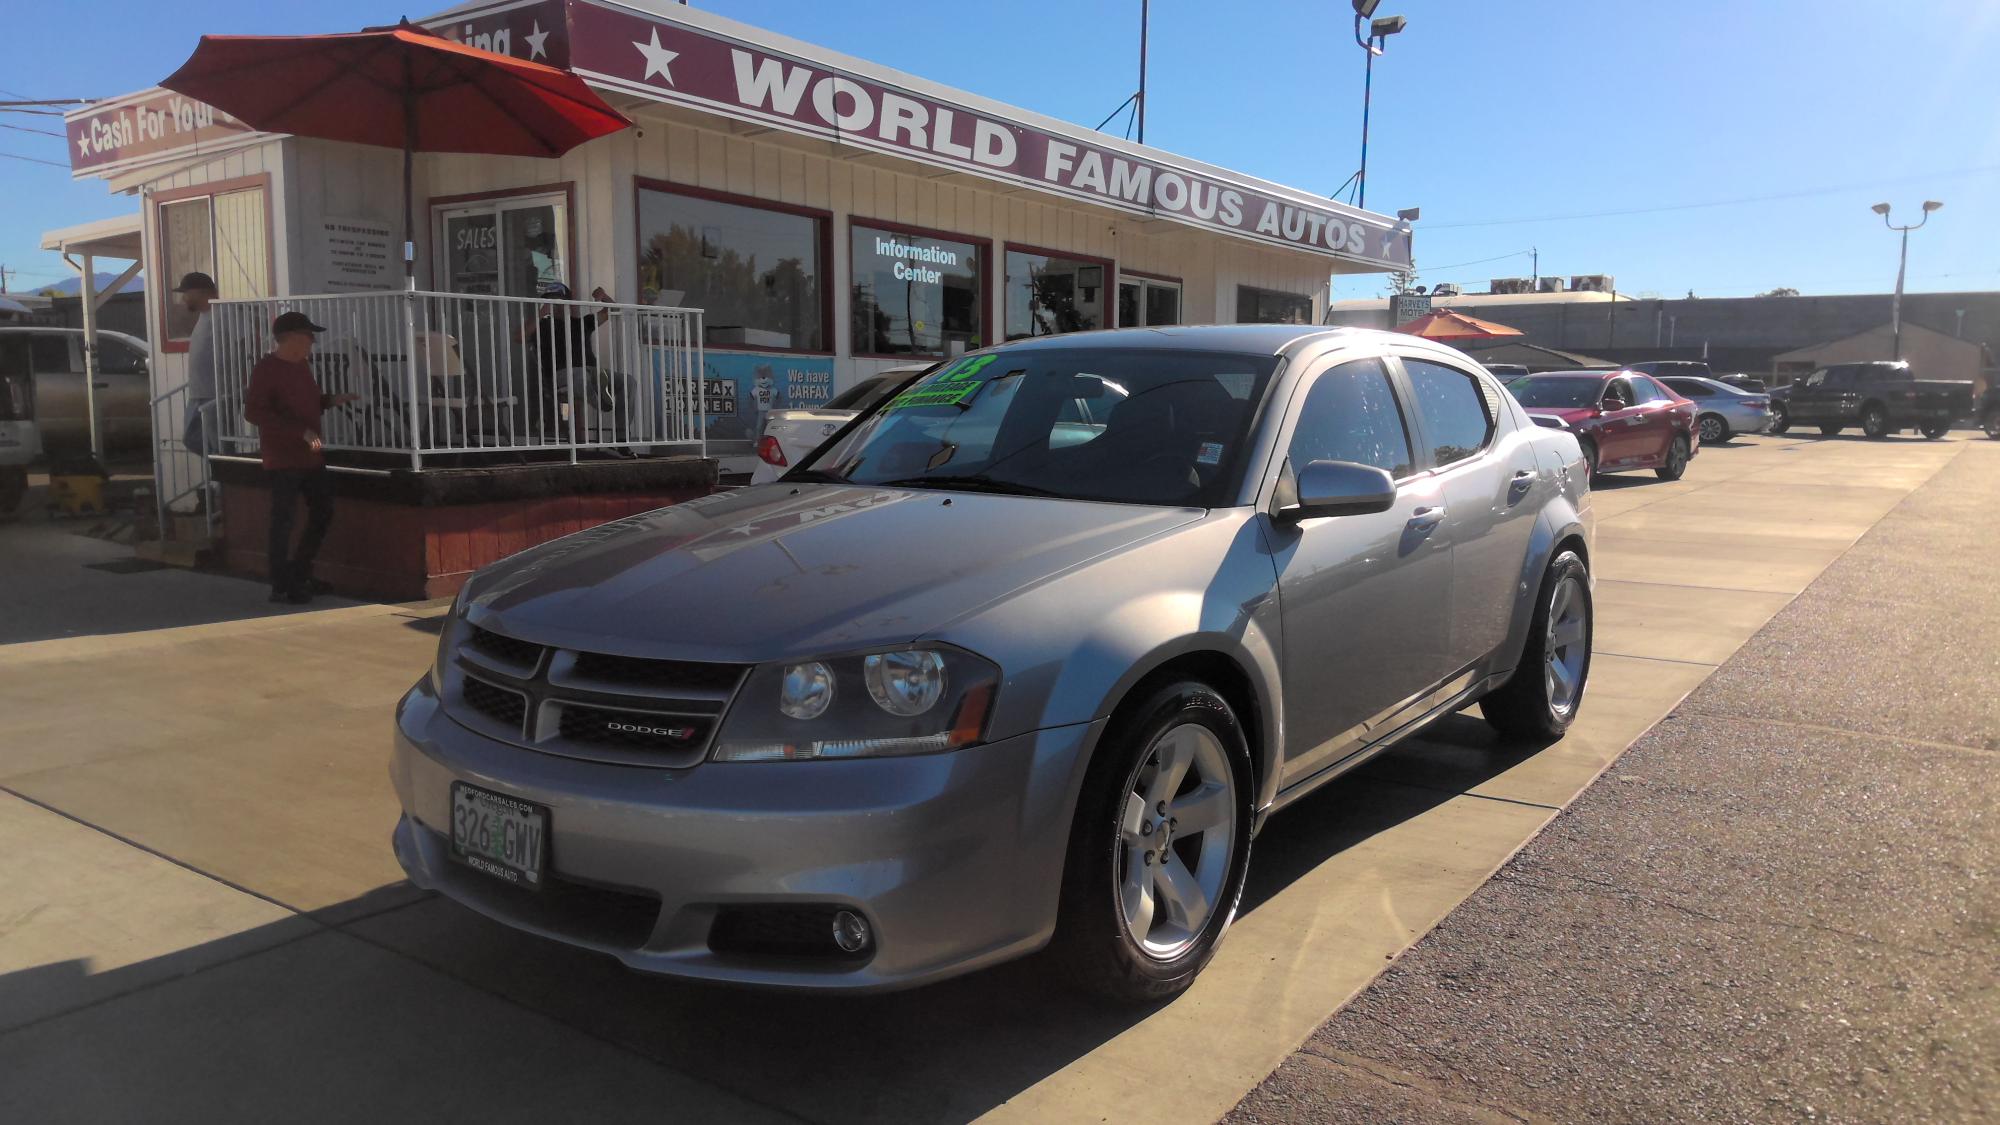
[[1567, 649], [1711, 429], [1178, 838]]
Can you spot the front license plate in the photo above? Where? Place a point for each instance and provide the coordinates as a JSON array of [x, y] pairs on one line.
[[503, 836]]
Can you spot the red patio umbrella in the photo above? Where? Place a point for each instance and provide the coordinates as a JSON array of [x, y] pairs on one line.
[[1448, 325], [398, 87]]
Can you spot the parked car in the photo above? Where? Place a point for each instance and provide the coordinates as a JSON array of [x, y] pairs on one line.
[[954, 690], [1749, 383], [1723, 410], [1624, 420], [1989, 412], [1883, 397], [791, 434], [20, 443], [1680, 368], [1507, 371], [54, 359]]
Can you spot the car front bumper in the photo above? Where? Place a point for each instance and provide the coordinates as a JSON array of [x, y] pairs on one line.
[[955, 859]]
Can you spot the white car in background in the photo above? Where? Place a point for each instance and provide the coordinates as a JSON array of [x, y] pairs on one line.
[[791, 434]]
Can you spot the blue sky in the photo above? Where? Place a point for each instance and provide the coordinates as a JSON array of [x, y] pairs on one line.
[[1486, 112]]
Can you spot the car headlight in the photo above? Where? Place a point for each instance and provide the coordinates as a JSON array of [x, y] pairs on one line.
[[448, 636], [864, 705]]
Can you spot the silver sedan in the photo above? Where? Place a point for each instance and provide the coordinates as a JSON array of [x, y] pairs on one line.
[[1022, 659], [1723, 410]]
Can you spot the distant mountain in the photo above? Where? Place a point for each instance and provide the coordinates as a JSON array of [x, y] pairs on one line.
[[69, 287]]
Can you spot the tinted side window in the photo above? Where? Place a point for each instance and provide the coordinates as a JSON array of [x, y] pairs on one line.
[[1621, 389], [1350, 414], [1690, 388], [1651, 391], [115, 357], [1457, 420], [51, 352]]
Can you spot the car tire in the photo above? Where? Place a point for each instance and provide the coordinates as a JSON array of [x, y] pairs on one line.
[[1935, 430], [1874, 421], [1714, 429], [1781, 419], [1677, 459], [1589, 457], [1107, 941], [1829, 430], [1991, 424], [1537, 704]]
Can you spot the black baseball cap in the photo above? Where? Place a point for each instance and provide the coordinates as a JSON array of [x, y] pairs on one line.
[[196, 280], [293, 322]]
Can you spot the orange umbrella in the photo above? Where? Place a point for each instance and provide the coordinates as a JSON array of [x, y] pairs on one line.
[[1448, 325]]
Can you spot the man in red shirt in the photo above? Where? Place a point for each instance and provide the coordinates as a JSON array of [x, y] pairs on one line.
[[284, 403]]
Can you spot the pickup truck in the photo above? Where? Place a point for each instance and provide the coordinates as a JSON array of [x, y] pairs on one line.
[[1882, 397]]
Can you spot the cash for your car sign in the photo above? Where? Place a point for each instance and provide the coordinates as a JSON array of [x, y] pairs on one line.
[[664, 59], [739, 390]]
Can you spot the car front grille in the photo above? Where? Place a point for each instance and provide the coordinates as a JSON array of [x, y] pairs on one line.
[[502, 705], [599, 706]]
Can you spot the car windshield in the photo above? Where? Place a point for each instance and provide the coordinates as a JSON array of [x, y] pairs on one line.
[[1129, 425], [864, 394], [1557, 391]]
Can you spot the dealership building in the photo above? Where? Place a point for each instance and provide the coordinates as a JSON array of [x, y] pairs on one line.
[[829, 218]]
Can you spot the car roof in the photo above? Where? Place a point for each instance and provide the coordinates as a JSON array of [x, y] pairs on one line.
[[136, 341], [1583, 373], [1255, 338]]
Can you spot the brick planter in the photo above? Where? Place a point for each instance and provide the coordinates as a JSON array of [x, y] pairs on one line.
[[407, 536]]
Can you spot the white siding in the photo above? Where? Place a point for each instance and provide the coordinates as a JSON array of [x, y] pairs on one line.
[[320, 178]]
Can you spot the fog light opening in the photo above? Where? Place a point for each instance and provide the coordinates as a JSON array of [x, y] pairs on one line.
[[851, 932]]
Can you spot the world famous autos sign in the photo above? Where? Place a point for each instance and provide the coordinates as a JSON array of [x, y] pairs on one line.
[[676, 60]]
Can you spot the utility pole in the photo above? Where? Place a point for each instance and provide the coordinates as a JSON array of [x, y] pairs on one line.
[[4, 271], [1535, 269], [1145, 13]]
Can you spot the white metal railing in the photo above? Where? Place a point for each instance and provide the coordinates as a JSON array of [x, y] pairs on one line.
[[490, 374], [181, 475]]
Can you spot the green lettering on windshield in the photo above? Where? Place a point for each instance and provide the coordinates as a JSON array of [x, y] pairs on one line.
[[954, 386]]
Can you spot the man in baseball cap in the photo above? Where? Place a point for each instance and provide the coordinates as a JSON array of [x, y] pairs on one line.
[[285, 405], [196, 291]]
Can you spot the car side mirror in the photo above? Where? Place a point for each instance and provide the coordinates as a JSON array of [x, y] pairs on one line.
[[1340, 488], [1614, 403]]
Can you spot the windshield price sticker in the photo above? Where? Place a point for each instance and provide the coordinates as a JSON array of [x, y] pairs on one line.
[[954, 386]]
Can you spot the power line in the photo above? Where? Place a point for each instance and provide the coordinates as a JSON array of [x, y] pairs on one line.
[[25, 129], [33, 159], [1475, 262], [1774, 198]]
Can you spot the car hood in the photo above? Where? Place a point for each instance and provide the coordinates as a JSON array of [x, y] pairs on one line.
[[1572, 415], [781, 570]]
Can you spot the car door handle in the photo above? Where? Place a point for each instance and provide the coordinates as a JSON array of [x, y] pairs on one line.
[[1524, 479], [1427, 517]]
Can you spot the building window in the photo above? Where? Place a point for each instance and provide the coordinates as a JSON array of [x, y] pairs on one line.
[[1146, 301], [1050, 293], [225, 235], [517, 246], [1270, 306], [916, 294], [753, 270]]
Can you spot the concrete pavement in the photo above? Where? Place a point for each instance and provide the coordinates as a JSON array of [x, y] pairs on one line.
[[1778, 906], [237, 768]]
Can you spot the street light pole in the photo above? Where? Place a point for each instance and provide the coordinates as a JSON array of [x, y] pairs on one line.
[[1902, 267], [1376, 36]]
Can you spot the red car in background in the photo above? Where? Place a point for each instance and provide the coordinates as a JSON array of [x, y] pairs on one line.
[[1623, 419]]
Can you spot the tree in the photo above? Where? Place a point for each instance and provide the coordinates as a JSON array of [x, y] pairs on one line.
[[1781, 291]]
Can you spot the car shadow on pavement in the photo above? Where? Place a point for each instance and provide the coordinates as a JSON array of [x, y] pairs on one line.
[[399, 991]]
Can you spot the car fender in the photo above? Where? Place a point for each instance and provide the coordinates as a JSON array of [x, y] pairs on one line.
[[1074, 647], [1564, 516]]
